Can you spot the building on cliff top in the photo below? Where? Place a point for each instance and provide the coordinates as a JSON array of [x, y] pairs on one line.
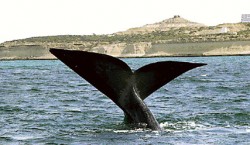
[[224, 30], [245, 18]]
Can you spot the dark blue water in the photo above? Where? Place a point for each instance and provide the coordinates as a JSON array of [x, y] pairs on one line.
[[44, 102]]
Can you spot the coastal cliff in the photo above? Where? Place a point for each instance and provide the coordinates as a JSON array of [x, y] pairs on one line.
[[171, 37]]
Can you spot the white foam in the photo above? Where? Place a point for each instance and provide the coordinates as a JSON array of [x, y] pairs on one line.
[[74, 109], [248, 130], [177, 126], [24, 137], [204, 75], [129, 131]]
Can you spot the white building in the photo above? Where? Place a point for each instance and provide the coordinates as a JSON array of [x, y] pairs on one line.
[[245, 18], [224, 30]]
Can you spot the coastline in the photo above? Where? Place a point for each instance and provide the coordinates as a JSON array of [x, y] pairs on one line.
[[137, 50], [173, 37], [208, 56]]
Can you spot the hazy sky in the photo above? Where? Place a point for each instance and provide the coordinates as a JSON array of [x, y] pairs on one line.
[[29, 18]]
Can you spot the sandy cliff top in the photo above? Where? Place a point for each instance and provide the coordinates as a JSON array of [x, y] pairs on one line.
[[172, 23]]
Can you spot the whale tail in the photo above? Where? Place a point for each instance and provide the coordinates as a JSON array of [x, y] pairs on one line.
[[114, 78]]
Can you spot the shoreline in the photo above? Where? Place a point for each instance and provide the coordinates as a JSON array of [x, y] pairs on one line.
[[135, 50], [174, 56]]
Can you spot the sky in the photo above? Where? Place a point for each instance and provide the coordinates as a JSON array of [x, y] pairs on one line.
[[30, 18]]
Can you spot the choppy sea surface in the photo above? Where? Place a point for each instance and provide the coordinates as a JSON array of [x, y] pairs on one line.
[[44, 102]]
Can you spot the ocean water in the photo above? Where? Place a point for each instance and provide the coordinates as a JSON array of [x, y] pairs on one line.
[[44, 102]]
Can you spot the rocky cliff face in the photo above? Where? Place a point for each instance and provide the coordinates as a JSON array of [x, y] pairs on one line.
[[148, 49], [140, 49]]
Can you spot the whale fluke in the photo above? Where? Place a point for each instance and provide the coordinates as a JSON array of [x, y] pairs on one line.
[[108, 74], [151, 77], [115, 79]]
